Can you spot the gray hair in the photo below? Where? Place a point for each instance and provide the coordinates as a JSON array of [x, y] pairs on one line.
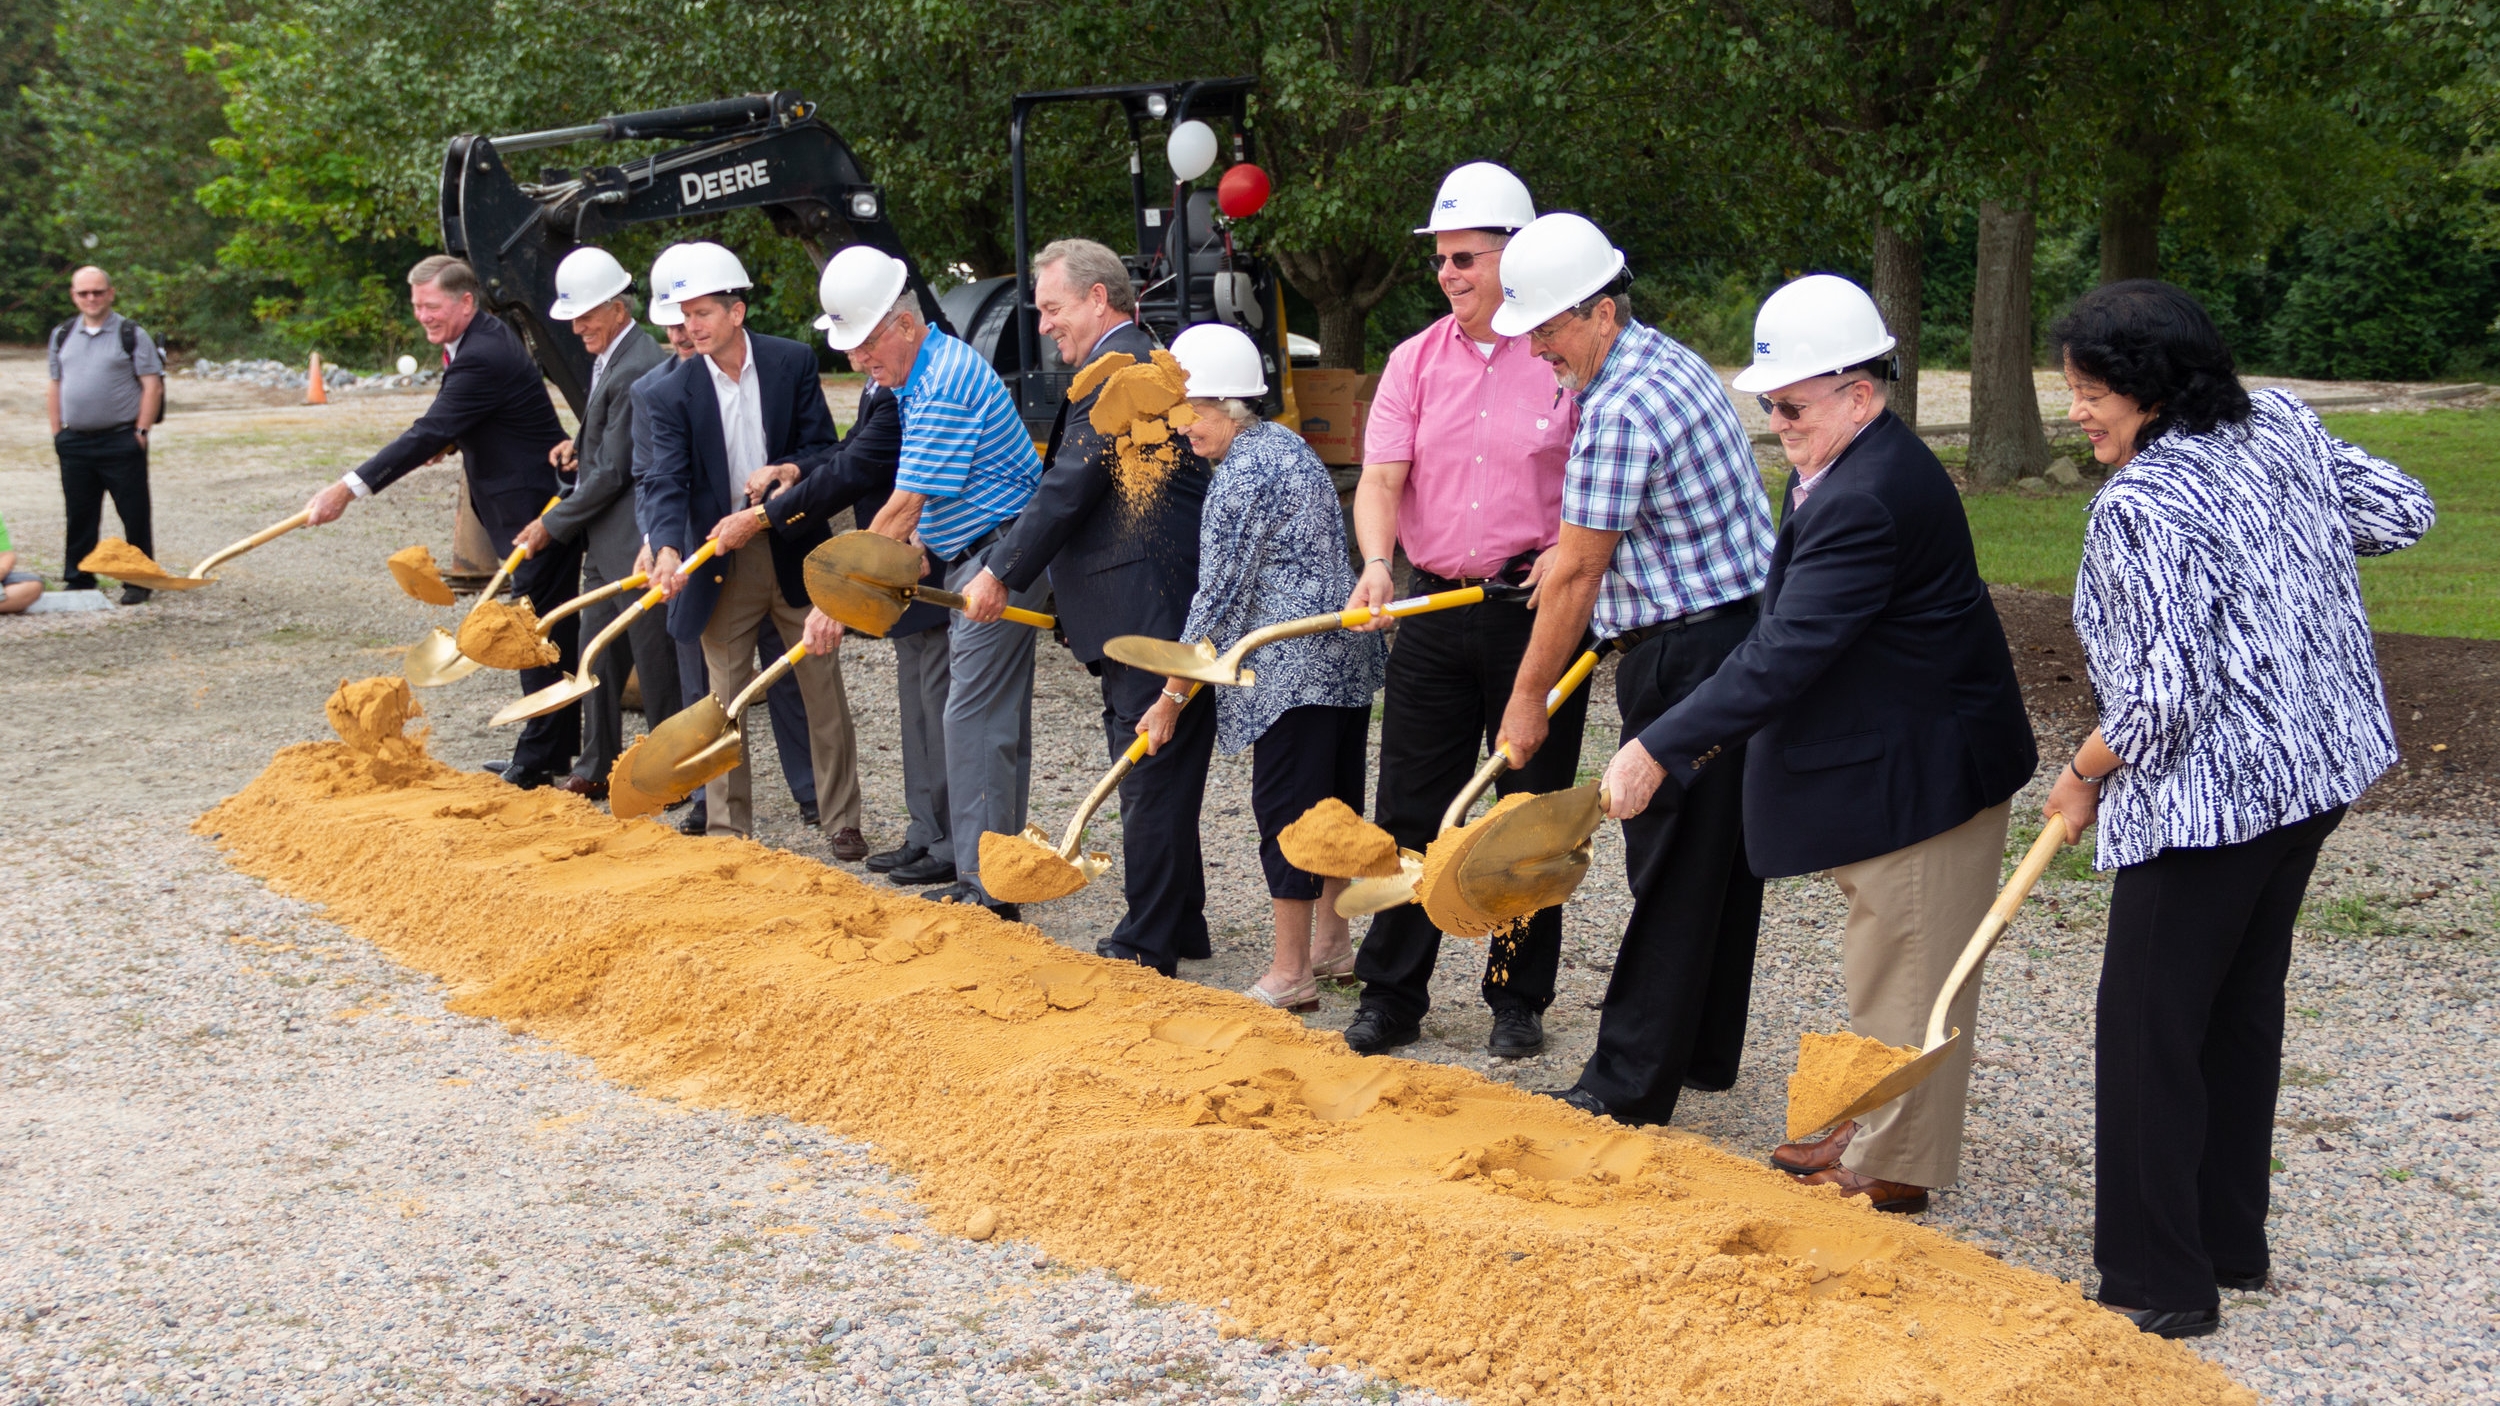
[[1621, 297], [1086, 263], [453, 276], [1235, 409]]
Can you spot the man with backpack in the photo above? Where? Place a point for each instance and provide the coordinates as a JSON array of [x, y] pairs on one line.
[[107, 389]]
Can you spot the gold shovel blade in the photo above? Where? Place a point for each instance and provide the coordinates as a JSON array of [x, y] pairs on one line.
[[436, 660], [871, 610], [863, 579], [546, 700], [1532, 856], [665, 763], [1902, 1080], [164, 583], [1173, 659], [1364, 897], [625, 802]]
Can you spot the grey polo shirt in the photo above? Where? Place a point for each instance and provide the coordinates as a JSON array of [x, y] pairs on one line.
[[99, 385]]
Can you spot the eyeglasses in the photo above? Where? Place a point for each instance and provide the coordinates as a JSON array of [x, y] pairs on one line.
[[1796, 409], [91, 292], [1463, 260]]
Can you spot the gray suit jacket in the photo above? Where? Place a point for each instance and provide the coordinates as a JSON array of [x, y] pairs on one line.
[[600, 508]]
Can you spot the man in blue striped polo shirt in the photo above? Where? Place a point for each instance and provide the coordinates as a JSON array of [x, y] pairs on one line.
[[967, 468]]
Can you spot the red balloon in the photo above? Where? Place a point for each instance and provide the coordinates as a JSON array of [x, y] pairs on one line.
[[1243, 191]]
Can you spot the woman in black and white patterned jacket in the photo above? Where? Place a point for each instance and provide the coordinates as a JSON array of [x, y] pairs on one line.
[[2240, 712]]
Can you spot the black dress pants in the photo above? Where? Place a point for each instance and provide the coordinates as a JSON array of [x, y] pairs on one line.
[[548, 742], [1675, 1008], [94, 463], [1450, 677], [1306, 756], [1162, 864], [2189, 1055]]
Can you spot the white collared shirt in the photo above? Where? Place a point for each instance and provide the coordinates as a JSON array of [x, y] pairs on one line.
[[599, 363], [741, 418]]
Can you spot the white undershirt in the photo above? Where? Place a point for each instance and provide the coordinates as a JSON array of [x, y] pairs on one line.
[[741, 418]]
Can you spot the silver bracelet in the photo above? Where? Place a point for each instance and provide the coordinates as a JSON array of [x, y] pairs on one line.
[[1384, 561]]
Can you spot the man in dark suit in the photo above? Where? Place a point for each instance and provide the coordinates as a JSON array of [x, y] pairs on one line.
[[744, 403], [1887, 731], [493, 407], [595, 294], [1118, 570], [856, 478]]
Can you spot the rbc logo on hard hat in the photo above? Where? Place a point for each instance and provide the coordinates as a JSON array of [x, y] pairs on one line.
[[1762, 348], [1449, 204]]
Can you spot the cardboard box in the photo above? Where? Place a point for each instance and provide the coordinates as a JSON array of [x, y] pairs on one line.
[[1332, 406]]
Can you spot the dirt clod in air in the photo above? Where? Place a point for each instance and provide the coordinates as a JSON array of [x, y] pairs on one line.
[[1142, 406], [414, 569], [1332, 841], [1832, 1072], [1020, 869], [504, 635], [118, 559], [1418, 1221], [371, 717], [1438, 889]]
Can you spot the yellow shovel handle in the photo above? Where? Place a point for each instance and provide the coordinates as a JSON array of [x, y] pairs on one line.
[[1034, 618], [2053, 836], [1137, 750], [519, 555], [771, 675], [1413, 605], [655, 595], [1502, 759]]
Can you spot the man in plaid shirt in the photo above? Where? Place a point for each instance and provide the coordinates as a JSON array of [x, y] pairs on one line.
[[1666, 539]]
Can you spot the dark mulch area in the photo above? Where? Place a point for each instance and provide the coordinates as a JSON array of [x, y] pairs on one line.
[[2438, 688]]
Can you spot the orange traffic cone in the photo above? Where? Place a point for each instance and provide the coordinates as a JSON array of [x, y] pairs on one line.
[[315, 393]]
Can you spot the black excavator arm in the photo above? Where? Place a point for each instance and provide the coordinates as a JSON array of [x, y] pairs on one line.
[[766, 151]]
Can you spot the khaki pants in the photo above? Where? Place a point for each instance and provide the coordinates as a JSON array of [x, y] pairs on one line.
[[748, 595], [1911, 912]]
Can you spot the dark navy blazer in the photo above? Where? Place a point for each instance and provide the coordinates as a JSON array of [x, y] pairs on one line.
[[1876, 695], [493, 404], [685, 487]]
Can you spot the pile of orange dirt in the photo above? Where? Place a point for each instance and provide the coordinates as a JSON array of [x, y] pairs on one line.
[[118, 559], [1331, 840], [1415, 1219], [414, 569], [504, 635], [1833, 1071], [1438, 889], [1143, 407], [1020, 869], [371, 717]]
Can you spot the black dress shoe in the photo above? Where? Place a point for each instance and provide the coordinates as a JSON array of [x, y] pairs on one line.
[[695, 823], [961, 892], [890, 860], [499, 765], [529, 778], [1375, 1031], [807, 815], [2171, 1322], [1581, 1099], [927, 868], [1517, 1033], [133, 595], [2241, 1283]]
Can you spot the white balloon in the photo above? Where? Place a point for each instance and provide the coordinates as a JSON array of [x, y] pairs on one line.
[[1191, 150], [407, 366]]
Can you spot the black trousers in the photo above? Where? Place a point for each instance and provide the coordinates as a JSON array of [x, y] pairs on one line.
[[94, 463], [2189, 1055], [1450, 678], [548, 742], [1162, 864], [782, 702], [1307, 755], [1675, 1008]]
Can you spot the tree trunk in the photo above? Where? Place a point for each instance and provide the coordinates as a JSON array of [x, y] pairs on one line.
[[2006, 442], [1344, 285], [1900, 295], [2135, 178]]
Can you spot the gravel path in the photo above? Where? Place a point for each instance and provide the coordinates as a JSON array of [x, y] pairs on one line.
[[536, 1229]]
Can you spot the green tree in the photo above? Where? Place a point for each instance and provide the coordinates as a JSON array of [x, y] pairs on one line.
[[34, 283]]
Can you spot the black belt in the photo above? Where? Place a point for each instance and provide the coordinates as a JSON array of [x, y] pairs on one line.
[[976, 544], [1514, 572], [125, 427], [1630, 640]]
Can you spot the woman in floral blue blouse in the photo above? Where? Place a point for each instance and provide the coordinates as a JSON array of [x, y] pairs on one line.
[[1271, 548]]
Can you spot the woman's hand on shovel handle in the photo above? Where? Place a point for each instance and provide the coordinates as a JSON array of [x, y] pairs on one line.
[[823, 633], [1164, 717], [1632, 779], [2077, 792]]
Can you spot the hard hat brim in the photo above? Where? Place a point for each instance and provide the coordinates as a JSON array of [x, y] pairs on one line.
[[567, 307], [667, 315], [1219, 391], [1765, 376]]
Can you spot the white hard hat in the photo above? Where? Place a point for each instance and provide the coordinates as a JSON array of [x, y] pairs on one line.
[[664, 309], [1480, 195], [1221, 360], [1812, 327], [1558, 261], [704, 267], [857, 289], [588, 277]]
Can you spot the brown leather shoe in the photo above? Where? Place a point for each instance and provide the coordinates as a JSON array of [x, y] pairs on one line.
[[1897, 1198], [584, 786], [849, 845], [1804, 1158]]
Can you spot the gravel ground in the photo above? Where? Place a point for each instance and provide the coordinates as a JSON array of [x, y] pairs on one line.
[[146, 975]]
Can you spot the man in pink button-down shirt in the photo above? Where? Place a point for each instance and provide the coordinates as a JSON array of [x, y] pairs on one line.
[[1463, 462]]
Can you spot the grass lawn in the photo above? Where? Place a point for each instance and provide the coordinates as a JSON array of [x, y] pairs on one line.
[[2448, 585]]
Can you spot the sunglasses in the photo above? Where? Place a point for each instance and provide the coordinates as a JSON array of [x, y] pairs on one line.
[[1464, 260], [1796, 409]]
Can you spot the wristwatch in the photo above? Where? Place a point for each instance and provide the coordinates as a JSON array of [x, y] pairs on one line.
[[1177, 700]]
